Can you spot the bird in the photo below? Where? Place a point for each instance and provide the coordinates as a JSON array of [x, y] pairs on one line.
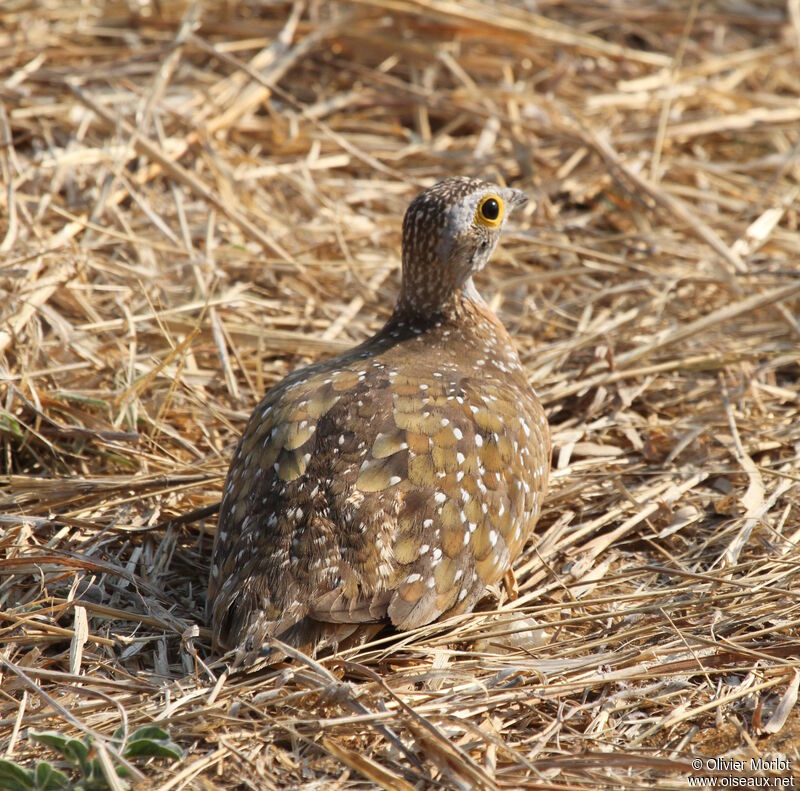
[[392, 483]]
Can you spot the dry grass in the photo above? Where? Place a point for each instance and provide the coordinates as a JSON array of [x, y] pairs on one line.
[[201, 198]]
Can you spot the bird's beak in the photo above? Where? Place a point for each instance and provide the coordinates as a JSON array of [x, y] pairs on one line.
[[515, 199]]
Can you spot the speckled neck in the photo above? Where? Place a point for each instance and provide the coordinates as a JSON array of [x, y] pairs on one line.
[[461, 306]]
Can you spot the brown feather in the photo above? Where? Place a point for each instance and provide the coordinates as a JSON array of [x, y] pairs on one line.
[[395, 481]]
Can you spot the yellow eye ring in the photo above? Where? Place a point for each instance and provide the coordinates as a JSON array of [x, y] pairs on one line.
[[490, 211]]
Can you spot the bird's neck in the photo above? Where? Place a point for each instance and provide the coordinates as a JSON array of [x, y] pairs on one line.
[[463, 306]]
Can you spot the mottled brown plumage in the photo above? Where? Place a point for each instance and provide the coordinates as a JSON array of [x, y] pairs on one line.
[[397, 480]]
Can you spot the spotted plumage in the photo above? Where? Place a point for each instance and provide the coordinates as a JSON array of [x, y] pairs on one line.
[[397, 480]]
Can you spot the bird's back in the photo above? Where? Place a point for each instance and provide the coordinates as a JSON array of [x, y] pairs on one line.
[[393, 482]]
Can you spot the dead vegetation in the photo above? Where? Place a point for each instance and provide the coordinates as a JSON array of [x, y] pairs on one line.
[[198, 198]]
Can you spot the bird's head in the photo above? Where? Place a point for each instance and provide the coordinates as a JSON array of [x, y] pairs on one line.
[[449, 232]]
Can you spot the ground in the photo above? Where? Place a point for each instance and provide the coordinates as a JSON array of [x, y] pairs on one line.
[[201, 197]]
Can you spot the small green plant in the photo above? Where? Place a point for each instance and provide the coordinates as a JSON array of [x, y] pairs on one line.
[[79, 758]]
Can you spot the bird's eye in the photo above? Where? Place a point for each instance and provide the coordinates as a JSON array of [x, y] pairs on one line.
[[490, 211]]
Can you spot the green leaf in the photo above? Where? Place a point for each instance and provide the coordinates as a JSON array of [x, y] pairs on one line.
[[162, 748], [52, 739], [94, 779], [48, 778], [74, 750], [151, 740], [118, 458], [15, 778], [149, 732], [77, 752], [9, 421], [81, 399]]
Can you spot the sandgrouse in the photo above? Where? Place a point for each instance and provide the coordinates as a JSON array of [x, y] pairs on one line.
[[397, 480]]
